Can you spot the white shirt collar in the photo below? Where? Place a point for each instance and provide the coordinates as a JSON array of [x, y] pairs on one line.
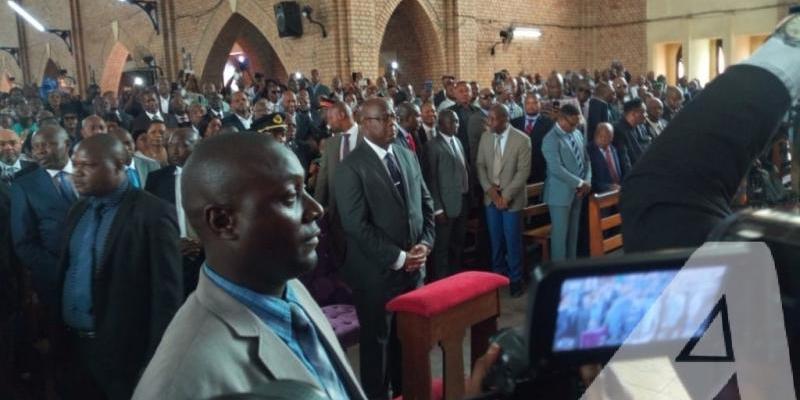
[[178, 170], [67, 168], [132, 165], [353, 131], [156, 115], [380, 151], [16, 165]]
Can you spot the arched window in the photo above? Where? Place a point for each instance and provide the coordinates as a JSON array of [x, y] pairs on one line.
[[680, 68], [720, 57]]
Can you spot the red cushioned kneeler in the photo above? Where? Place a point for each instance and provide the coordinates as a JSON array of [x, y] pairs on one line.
[[439, 314]]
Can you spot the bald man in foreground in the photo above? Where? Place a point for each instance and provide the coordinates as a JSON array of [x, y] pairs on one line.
[[120, 275], [250, 321]]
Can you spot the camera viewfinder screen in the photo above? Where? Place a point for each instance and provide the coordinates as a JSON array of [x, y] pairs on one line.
[[601, 311]]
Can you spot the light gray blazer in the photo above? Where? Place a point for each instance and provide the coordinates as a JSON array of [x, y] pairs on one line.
[[563, 175], [144, 167], [516, 164], [216, 345]]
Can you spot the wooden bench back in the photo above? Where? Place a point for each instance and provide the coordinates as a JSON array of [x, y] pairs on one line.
[[599, 224], [535, 205]]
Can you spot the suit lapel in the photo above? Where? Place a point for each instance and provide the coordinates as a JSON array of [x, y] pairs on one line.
[[273, 354], [337, 355], [120, 218], [405, 169], [381, 170]]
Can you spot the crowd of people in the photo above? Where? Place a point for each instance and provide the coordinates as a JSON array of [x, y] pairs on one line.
[[113, 221]]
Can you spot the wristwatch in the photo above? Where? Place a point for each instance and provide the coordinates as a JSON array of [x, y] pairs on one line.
[[788, 29]]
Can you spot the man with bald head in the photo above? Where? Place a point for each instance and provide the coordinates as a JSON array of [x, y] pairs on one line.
[[120, 280], [447, 177], [674, 102], [600, 108], [244, 195], [407, 125], [387, 215], [241, 118], [93, 125], [504, 164], [607, 170], [40, 199], [464, 110], [10, 162], [654, 123]]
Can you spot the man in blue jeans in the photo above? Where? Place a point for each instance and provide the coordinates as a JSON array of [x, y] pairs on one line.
[[504, 163]]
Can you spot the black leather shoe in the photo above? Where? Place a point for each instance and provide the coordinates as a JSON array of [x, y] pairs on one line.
[[517, 289]]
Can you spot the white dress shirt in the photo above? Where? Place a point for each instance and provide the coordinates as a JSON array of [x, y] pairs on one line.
[[351, 140], [179, 203], [381, 153], [157, 116], [68, 170], [164, 102], [13, 168]]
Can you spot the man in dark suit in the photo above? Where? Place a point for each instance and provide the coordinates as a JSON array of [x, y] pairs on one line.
[[346, 138], [40, 199], [107, 106], [606, 168], [387, 215], [10, 162], [536, 126], [242, 117], [631, 137], [666, 202], [407, 125], [317, 89], [151, 113], [447, 86], [427, 128], [674, 102], [305, 131], [599, 109], [165, 184], [464, 109], [448, 180], [119, 275]]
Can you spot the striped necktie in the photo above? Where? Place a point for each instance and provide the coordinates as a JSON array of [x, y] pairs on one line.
[[576, 151]]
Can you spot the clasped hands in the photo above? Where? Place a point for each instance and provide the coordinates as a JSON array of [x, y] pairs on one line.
[[416, 257], [497, 199]]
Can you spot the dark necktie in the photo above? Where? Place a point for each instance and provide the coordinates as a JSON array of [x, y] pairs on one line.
[[65, 187], [411, 143], [394, 172], [303, 330], [133, 178], [529, 126]]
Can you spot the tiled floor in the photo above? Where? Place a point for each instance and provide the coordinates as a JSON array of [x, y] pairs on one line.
[[513, 313]]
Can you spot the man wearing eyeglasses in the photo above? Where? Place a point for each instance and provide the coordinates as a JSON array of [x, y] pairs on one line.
[[387, 215]]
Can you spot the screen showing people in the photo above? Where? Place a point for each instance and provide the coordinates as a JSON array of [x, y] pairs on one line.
[[602, 311]]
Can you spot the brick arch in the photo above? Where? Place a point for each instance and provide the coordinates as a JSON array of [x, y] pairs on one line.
[[412, 29], [113, 67], [260, 40]]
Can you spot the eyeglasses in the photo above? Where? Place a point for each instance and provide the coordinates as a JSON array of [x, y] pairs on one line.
[[487, 97], [384, 118]]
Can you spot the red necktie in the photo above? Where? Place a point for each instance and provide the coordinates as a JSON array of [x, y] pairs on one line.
[[529, 127], [411, 143], [612, 169]]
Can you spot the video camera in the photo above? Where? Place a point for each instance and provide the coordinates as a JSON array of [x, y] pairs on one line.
[[584, 312]]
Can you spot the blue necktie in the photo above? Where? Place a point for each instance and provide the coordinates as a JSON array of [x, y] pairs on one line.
[[576, 150], [315, 352], [65, 187], [394, 172], [133, 178]]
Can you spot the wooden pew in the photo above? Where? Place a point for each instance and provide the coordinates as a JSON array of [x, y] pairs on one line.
[[537, 234], [599, 223]]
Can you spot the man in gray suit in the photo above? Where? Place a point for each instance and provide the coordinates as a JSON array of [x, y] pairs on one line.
[[137, 167], [346, 137], [504, 163], [249, 321], [448, 180], [387, 215], [569, 177]]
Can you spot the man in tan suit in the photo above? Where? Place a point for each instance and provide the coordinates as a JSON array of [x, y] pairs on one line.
[[504, 163], [346, 136], [249, 321]]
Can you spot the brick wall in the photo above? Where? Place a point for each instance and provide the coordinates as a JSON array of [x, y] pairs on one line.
[[428, 37]]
